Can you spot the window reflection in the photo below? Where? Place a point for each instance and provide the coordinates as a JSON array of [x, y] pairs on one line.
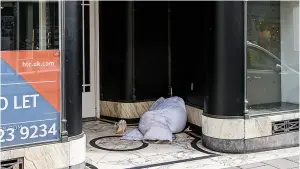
[[8, 25], [272, 58], [261, 60], [29, 38], [29, 26]]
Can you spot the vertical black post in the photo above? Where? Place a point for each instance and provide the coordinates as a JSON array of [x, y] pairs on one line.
[[170, 93], [226, 95], [73, 66], [226, 81], [129, 76]]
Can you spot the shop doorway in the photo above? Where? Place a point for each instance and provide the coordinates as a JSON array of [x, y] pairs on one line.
[[90, 61]]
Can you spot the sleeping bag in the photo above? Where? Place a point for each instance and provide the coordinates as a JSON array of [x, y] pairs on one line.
[[165, 117]]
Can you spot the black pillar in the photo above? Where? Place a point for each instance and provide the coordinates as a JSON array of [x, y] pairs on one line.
[[73, 66], [226, 93], [170, 92], [129, 67]]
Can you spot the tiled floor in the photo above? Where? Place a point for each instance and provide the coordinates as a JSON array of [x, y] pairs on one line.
[[105, 150], [282, 163], [154, 153]]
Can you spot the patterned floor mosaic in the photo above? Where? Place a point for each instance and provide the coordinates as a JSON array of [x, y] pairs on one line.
[[106, 150]]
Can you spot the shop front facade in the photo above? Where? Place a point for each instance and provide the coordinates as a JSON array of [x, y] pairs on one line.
[[66, 62], [270, 117]]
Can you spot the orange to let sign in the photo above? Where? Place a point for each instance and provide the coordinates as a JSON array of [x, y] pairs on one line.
[[30, 96]]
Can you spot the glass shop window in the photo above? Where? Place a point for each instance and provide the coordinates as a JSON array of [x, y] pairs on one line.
[[272, 57], [29, 38], [29, 26], [260, 60]]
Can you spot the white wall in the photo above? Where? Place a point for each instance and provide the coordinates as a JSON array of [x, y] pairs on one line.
[[289, 16]]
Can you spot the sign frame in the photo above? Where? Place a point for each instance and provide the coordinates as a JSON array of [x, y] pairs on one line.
[[61, 121]]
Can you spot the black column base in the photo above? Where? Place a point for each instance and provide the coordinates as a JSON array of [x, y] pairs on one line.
[[240, 146], [223, 145]]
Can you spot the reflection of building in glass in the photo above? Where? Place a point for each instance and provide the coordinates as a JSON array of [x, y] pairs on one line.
[[8, 26], [264, 25], [21, 25], [275, 23]]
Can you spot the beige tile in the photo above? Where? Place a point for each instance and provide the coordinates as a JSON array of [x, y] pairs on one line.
[[223, 128], [124, 110], [258, 127], [194, 115]]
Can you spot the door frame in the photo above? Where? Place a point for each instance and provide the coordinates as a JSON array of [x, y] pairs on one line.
[[90, 100], [94, 20]]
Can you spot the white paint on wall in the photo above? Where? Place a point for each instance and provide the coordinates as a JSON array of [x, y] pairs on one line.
[[290, 51], [42, 26], [296, 28]]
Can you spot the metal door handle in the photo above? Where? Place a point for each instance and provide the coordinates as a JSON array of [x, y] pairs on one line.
[[256, 77]]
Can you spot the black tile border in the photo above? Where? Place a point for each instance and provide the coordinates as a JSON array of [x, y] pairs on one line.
[[195, 146], [113, 122], [88, 119], [128, 101], [194, 106], [192, 135], [93, 144], [90, 166], [222, 117], [195, 128], [116, 119], [195, 141]]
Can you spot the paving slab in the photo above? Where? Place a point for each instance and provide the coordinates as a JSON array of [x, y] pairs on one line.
[[265, 167], [253, 165], [294, 159], [281, 163]]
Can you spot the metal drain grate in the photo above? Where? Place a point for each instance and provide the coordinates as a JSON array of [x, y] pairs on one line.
[[13, 164], [285, 126]]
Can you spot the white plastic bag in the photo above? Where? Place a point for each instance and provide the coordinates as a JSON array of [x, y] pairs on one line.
[[165, 117], [134, 134]]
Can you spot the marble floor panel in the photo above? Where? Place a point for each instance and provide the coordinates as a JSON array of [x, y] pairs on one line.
[[228, 160], [106, 150]]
